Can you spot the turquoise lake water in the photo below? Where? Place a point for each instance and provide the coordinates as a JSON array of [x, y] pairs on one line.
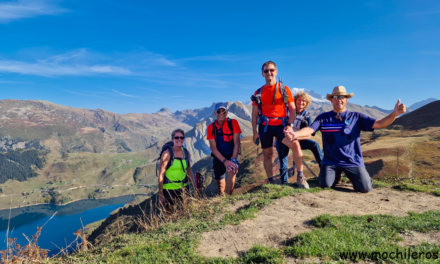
[[59, 230]]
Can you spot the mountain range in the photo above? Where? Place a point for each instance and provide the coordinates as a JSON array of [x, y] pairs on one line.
[[409, 108], [83, 153]]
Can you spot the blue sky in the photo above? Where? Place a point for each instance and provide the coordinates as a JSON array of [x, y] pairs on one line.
[[140, 56]]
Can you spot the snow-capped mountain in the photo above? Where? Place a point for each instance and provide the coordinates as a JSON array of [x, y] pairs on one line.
[[316, 98]]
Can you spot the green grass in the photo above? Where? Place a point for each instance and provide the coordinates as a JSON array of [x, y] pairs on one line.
[[381, 184], [413, 187], [368, 233], [178, 241], [262, 254], [422, 185]]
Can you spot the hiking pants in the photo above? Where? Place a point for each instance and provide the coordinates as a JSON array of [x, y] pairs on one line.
[[283, 155], [358, 176]]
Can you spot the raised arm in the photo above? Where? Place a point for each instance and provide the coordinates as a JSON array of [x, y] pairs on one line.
[[389, 119]]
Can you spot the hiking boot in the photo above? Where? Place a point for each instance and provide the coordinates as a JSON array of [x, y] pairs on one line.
[[302, 183], [270, 181], [338, 180]]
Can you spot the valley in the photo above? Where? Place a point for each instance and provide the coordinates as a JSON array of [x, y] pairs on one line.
[[94, 154]]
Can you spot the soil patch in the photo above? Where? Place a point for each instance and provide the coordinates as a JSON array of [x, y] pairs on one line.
[[289, 216], [414, 238]]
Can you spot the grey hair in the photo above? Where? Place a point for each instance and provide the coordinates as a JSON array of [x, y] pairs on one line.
[[177, 131], [267, 64]]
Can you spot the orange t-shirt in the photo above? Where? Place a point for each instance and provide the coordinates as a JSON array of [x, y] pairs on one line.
[[279, 108]]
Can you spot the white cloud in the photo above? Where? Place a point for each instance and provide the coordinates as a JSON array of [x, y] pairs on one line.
[[123, 94], [85, 94], [52, 69], [215, 58], [82, 62], [15, 10], [140, 64]]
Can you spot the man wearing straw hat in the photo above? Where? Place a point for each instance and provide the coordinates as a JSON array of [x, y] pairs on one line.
[[341, 131]]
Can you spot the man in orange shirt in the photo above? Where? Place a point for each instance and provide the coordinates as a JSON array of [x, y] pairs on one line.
[[270, 113]]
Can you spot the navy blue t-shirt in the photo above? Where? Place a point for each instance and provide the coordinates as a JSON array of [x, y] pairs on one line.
[[225, 138], [341, 139]]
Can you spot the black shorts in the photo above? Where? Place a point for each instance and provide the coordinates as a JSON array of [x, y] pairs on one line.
[[266, 138], [173, 196], [219, 168]]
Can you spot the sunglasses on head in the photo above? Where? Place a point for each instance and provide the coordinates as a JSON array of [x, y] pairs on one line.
[[267, 70], [176, 138], [221, 111], [336, 97]]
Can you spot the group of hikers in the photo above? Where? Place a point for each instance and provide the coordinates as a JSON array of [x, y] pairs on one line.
[[276, 113]]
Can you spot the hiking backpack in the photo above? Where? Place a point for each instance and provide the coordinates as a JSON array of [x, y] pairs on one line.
[[214, 131], [169, 146], [258, 101], [231, 129]]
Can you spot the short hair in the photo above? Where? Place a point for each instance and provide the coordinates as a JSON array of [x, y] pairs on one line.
[[267, 64], [177, 131], [305, 96]]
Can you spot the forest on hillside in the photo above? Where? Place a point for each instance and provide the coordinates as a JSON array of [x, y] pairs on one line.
[[20, 165]]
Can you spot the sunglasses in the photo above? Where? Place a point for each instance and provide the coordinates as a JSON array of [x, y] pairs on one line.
[[220, 111], [267, 70], [176, 138], [336, 97]]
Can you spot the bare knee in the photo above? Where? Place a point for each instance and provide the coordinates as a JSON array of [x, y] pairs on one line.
[[268, 154], [231, 176]]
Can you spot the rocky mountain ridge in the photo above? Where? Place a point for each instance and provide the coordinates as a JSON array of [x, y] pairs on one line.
[[67, 129]]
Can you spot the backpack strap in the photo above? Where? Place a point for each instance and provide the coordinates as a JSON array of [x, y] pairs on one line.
[[170, 163], [260, 108], [231, 127], [185, 152], [185, 156], [284, 94], [214, 131]]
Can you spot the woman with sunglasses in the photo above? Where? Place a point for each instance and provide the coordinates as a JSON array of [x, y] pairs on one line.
[[173, 178]]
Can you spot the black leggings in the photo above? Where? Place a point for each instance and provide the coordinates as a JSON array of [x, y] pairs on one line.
[[173, 196]]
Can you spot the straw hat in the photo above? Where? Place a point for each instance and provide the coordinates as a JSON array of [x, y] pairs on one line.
[[339, 90]]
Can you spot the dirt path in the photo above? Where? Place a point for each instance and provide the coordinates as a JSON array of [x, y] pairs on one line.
[[289, 216]]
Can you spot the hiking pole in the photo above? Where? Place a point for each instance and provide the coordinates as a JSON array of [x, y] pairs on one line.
[[307, 166]]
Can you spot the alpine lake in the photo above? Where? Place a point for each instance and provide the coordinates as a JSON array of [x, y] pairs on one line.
[[58, 230]]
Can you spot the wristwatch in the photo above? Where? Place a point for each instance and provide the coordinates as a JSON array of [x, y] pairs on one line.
[[235, 161], [292, 125]]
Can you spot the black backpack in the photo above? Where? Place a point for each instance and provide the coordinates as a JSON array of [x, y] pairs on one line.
[[231, 129], [258, 101], [169, 146]]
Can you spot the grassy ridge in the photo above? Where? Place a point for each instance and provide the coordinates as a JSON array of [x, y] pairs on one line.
[[177, 241]]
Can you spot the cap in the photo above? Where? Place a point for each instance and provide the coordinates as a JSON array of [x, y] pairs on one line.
[[220, 105]]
